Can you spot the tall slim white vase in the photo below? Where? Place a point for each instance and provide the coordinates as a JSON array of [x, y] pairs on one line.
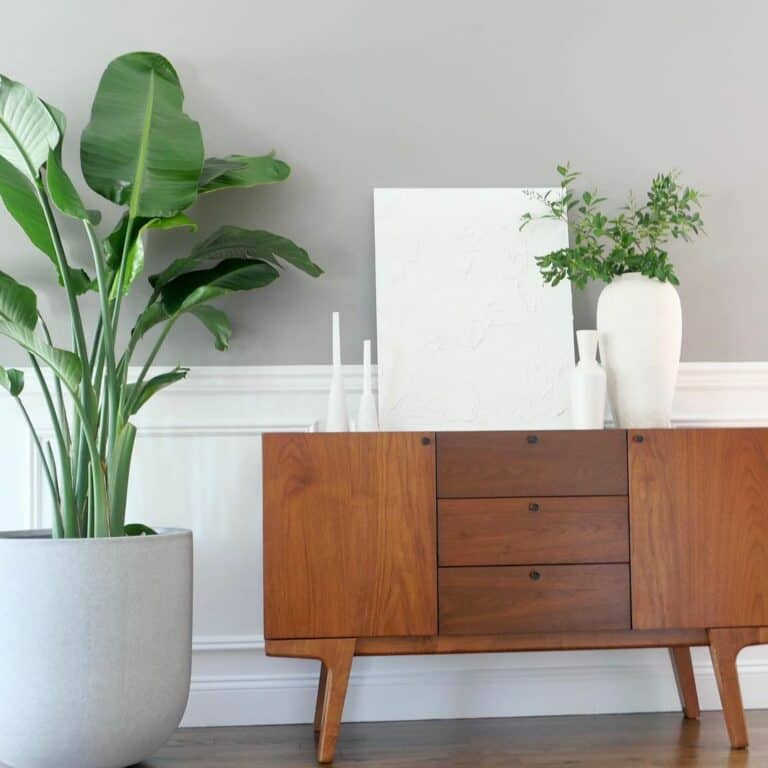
[[639, 320], [336, 418], [367, 414], [588, 385]]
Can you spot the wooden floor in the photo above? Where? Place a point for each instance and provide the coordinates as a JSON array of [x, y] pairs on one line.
[[594, 741]]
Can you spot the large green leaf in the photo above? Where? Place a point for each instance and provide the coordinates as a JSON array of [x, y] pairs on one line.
[[63, 193], [213, 319], [140, 149], [216, 322], [19, 196], [18, 303], [27, 129], [12, 379], [213, 167], [201, 286], [153, 315], [136, 400], [135, 251], [139, 529], [242, 171], [64, 364], [237, 243]]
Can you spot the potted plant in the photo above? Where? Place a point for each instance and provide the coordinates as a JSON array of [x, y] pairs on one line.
[[639, 319], [96, 614]]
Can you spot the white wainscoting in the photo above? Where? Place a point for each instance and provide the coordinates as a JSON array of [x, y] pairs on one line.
[[198, 465]]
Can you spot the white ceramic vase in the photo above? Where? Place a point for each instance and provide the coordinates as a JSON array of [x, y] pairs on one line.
[[336, 419], [367, 416], [96, 647], [639, 321], [588, 385]]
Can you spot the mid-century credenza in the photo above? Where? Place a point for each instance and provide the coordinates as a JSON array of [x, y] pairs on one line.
[[462, 542]]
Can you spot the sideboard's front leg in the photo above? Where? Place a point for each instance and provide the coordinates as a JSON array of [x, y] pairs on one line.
[[336, 657], [320, 696], [338, 663], [724, 646], [682, 666]]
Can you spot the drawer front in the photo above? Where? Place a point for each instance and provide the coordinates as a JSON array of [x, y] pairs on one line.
[[533, 530], [548, 463], [549, 598]]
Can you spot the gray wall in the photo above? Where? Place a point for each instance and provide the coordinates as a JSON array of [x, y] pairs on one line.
[[405, 93]]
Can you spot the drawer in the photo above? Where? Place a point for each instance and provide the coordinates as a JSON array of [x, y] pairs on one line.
[[547, 463], [548, 598], [578, 529]]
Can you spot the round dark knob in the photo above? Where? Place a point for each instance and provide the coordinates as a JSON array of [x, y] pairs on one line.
[[426, 441], [532, 439], [638, 438], [535, 575], [533, 507]]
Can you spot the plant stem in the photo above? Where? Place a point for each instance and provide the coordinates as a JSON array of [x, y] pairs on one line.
[[68, 509], [57, 384], [121, 271], [108, 337], [151, 359], [98, 495], [63, 264], [52, 460], [58, 527]]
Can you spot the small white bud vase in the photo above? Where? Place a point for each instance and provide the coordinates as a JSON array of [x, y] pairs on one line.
[[367, 416], [588, 386], [336, 419]]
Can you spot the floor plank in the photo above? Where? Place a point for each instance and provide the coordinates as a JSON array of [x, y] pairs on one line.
[[662, 740]]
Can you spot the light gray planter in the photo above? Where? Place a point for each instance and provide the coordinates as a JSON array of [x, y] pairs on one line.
[[95, 647]]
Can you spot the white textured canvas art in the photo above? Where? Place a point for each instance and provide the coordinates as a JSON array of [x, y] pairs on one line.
[[469, 336]]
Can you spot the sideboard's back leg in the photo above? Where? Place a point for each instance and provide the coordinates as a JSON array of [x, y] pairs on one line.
[[724, 646], [682, 666]]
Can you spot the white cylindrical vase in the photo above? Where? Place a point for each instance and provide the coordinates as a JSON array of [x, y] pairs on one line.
[[639, 321], [96, 647], [588, 385], [336, 419], [367, 415]]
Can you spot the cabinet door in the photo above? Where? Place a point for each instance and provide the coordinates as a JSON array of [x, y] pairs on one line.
[[699, 527], [349, 535]]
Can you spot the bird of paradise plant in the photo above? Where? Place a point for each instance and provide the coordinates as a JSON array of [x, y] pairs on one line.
[[141, 151]]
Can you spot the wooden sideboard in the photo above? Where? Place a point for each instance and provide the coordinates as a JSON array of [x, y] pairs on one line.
[[464, 542]]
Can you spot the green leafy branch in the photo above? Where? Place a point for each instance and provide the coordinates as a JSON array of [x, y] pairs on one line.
[[633, 240]]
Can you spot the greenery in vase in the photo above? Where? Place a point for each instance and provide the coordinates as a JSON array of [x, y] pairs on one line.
[[633, 240], [142, 152]]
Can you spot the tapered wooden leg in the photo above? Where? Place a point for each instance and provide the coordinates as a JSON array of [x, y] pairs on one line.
[[320, 696], [336, 656], [682, 666], [339, 663], [724, 646]]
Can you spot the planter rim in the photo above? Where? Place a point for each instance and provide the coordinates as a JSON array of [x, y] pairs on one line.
[[44, 534]]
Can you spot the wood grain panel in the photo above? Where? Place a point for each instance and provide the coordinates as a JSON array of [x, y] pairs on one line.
[[551, 598], [349, 535], [699, 527], [547, 463], [578, 529]]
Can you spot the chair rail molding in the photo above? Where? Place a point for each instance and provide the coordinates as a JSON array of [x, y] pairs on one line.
[[198, 465]]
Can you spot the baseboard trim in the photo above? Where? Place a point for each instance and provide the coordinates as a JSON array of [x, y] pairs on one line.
[[463, 692]]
